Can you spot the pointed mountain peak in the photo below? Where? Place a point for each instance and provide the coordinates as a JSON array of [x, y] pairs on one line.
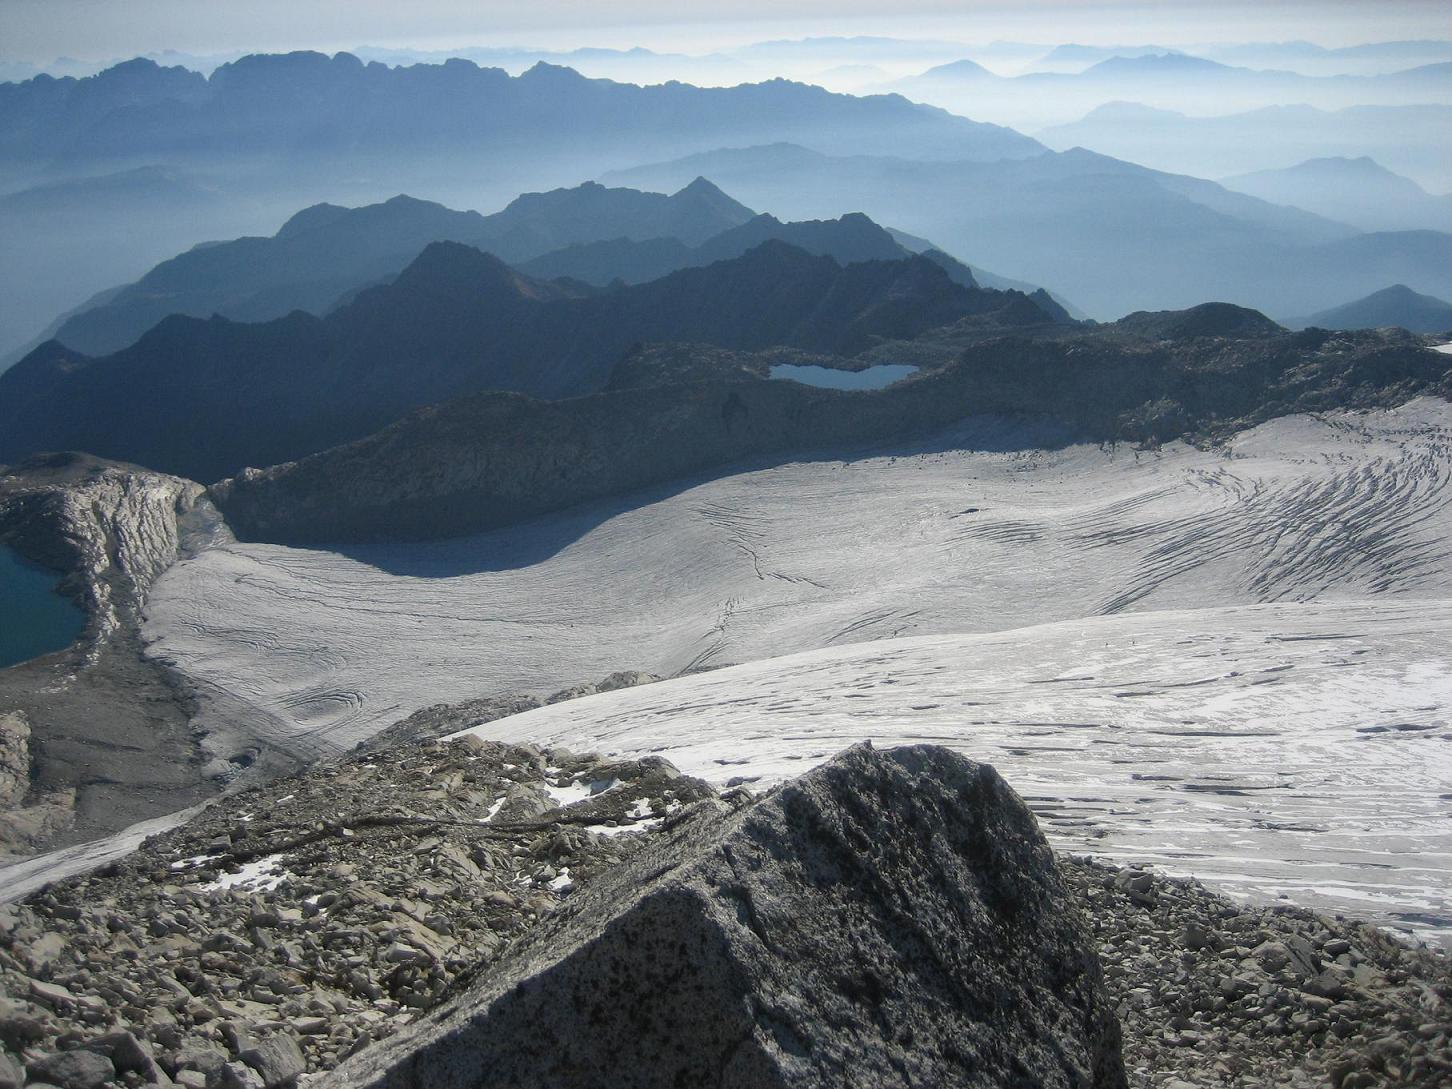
[[706, 194], [702, 186], [542, 71], [452, 264]]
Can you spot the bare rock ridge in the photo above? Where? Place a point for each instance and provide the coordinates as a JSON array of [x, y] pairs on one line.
[[891, 918], [111, 528], [490, 459]]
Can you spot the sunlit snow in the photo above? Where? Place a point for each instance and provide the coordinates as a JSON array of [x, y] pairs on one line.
[[1297, 750]]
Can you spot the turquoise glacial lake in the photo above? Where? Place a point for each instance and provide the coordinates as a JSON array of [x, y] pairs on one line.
[[34, 619]]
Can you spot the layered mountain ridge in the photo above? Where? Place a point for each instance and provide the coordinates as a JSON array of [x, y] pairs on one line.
[[325, 252], [206, 398]]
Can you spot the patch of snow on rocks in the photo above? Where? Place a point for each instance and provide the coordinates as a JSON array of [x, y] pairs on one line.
[[258, 875]]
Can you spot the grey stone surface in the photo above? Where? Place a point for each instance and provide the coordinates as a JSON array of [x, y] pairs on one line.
[[891, 918], [79, 1069], [278, 1059]]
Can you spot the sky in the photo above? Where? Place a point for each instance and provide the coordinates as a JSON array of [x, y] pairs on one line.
[[41, 30]]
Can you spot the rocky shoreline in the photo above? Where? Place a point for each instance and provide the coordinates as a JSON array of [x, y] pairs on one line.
[[319, 914]]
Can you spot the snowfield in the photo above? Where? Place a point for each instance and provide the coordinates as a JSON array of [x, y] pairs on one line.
[[1084, 623], [1296, 751], [331, 647]]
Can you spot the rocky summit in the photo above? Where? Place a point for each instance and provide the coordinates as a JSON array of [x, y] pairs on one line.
[[888, 919], [378, 912]]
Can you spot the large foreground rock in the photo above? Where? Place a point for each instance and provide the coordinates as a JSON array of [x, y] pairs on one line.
[[890, 919]]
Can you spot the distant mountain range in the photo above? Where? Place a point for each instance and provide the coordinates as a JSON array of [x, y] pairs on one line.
[[329, 110], [325, 252], [204, 398], [1109, 235], [853, 237], [1312, 59], [1358, 191], [1397, 305], [1168, 80], [265, 135], [1404, 138]]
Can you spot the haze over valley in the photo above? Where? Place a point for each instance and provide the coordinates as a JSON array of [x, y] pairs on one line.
[[745, 547]]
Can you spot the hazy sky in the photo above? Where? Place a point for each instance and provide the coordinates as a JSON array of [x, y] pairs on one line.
[[41, 30]]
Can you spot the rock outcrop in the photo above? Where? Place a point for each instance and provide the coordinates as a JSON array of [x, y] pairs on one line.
[[109, 740], [14, 759], [891, 918], [112, 528]]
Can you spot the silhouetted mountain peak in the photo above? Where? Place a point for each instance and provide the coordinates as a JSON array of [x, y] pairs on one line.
[[1213, 319], [1398, 305], [542, 72], [709, 198], [1158, 64], [311, 218], [447, 265], [1396, 292], [964, 68]]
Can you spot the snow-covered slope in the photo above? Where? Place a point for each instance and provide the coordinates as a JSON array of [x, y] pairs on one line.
[[1277, 750], [949, 538]]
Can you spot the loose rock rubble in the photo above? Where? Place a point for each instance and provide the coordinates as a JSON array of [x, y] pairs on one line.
[[293, 924], [310, 916], [1214, 993]]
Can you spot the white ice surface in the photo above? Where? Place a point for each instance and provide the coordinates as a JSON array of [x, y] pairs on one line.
[[334, 647], [1302, 751], [1348, 516], [20, 879]]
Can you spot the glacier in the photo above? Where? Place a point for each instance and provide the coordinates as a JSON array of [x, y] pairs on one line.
[[1279, 603]]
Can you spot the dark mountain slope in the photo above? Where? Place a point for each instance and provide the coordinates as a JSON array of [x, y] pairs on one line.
[[206, 398], [491, 459], [851, 238], [1205, 320], [1397, 305], [325, 252]]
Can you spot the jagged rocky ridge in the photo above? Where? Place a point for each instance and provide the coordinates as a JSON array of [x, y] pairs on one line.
[[207, 398], [329, 911], [491, 459], [337, 111], [95, 736]]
